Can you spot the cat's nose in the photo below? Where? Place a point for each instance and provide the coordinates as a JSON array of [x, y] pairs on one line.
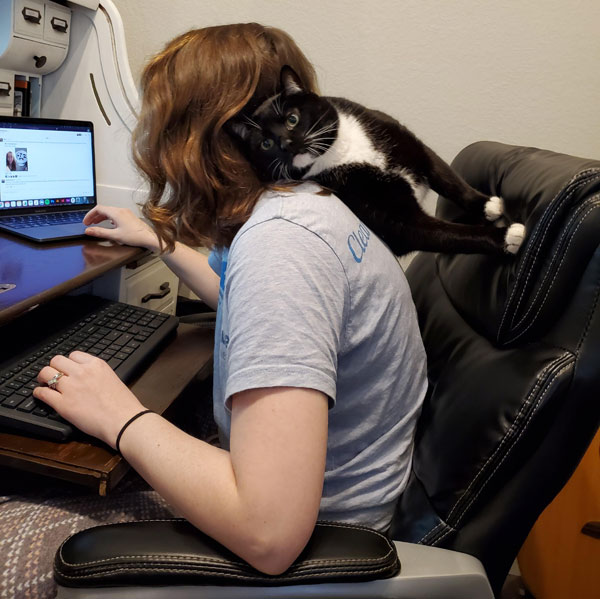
[[284, 143]]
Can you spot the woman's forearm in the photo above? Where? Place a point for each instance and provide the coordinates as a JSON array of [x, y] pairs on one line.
[[193, 269]]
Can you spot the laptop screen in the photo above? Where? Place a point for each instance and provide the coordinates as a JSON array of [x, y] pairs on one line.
[[49, 165]]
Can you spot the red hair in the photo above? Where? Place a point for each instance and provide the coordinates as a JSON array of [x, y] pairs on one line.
[[202, 190]]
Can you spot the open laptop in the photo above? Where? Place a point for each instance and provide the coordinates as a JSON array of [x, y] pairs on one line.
[[48, 183]]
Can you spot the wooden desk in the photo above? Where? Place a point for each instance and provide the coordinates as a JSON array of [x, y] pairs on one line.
[[41, 272]]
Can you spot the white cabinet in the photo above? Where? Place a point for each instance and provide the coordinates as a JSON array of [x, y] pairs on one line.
[[7, 92], [34, 40], [148, 283]]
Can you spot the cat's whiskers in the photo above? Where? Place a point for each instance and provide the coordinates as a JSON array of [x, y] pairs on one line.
[[320, 146], [322, 131], [251, 122], [277, 105], [314, 124]]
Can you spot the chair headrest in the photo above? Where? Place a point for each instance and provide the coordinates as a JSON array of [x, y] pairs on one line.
[[516, 299]]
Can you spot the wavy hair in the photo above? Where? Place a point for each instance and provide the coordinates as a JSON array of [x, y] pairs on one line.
[[202, 189]]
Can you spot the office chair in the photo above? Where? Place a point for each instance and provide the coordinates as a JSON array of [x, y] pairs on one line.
[[512, 346]]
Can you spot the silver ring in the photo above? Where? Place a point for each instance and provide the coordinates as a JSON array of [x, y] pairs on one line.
[[52, 382]]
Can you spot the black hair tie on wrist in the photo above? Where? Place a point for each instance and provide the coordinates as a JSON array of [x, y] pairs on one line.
[[127, 424]]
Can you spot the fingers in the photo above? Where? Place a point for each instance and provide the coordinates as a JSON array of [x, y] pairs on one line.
[[47, 395], [45, 374], [62, 363], [81, 357], [99, 213], [101, 232]]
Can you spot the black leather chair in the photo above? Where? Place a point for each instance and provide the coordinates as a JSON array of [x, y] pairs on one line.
[[513, 348]]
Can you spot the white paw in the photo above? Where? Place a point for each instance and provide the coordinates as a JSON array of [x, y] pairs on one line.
[[494, 208], [514, 237]]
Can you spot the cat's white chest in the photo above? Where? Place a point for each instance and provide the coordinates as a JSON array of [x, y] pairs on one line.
[[352, 145]]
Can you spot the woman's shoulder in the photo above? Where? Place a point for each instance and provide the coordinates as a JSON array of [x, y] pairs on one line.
[[308, 205]]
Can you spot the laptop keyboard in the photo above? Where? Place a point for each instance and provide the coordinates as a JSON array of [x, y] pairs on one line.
[[26, 221], [123, 335]]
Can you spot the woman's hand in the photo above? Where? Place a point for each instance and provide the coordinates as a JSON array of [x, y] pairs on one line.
[[89, 395], [128, 228]]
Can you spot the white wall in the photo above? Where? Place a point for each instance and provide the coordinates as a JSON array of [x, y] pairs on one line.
[[454, 71]]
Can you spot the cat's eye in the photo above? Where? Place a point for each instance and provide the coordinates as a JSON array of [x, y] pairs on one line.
[[266, 144], [292, 120]]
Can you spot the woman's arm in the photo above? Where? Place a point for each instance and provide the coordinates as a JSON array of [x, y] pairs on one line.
[[260, 500], [188, 264]]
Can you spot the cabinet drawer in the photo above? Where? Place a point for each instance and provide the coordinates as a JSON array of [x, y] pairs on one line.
[[57, 25], [7, 89], [29, 18], [152, 288]]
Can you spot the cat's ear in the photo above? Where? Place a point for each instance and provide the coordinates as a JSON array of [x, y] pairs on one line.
[[238, 129], [290, 81]]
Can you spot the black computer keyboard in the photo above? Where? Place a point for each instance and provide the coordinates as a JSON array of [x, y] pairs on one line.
[[123, 335], [25, 221]]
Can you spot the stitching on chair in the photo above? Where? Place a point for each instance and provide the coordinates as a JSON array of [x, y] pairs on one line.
[[535, 248], [584, 179], [432, 531], [565, 232], [532, 247], [231, 561], [229, 575], [508, 434], [533, 411], [564, 253], [505, 437]]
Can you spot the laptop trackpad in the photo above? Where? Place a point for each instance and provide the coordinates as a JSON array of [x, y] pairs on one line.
[[56, 231]]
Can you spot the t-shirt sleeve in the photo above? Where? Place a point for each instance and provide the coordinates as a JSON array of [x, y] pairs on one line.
[[286, 294], [215, 260]]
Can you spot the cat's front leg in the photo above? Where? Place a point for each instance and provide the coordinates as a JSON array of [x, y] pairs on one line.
[[494, 208]]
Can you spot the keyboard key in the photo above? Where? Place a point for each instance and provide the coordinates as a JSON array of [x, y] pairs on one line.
[[28, 405], [114, 362], [12, 401], [123, 339]]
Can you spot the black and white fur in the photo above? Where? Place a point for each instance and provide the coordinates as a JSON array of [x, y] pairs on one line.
[[375, 165]]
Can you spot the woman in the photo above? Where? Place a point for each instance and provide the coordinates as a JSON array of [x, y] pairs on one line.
[[319, 368], [11, 163]]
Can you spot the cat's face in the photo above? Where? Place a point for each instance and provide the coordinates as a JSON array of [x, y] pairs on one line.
[[287, 132]]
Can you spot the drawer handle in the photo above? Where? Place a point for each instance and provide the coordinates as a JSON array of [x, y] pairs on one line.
[[32, 15], [164, 291], [59, 24], [592, 529], [5, 88]]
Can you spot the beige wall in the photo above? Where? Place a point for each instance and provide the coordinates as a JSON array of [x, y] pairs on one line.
[[454, 71]]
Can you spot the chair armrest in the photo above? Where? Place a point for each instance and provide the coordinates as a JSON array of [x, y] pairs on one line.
[[155, 559]]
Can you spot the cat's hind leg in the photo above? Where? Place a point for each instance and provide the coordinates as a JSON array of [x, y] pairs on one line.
[[427, 233]]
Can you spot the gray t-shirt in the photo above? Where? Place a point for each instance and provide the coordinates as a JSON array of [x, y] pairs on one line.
[[311, 298]]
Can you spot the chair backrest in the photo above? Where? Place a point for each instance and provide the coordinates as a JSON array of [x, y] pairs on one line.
[[512, 348]]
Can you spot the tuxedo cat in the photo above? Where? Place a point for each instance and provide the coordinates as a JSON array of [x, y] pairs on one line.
[[376, 166]]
